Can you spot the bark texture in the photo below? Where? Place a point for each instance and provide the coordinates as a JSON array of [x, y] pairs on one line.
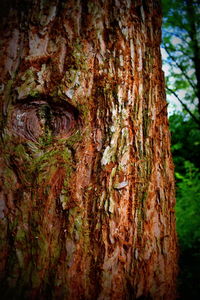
[[87, 188]]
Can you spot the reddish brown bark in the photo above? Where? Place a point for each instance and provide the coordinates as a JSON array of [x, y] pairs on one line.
[[87, 187]]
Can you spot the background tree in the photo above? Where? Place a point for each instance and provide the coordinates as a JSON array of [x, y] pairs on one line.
[[87, 187], [181, 41]]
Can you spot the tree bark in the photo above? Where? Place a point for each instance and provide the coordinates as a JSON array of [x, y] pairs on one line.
[[87, 186]]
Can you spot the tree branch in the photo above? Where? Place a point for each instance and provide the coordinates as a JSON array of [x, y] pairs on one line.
[[181, 68], [180, 50], [178, 36], [185, 106]]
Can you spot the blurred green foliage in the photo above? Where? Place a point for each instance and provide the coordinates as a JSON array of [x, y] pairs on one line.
[[188, 208], [186, 150], [185, 141]]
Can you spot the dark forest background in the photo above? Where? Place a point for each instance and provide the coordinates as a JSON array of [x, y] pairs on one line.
[[181, 63]]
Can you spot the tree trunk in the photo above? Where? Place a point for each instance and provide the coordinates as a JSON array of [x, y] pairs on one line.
[[87, 187]]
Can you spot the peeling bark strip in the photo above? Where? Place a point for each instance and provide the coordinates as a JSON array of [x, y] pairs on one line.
[[87, 187]]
